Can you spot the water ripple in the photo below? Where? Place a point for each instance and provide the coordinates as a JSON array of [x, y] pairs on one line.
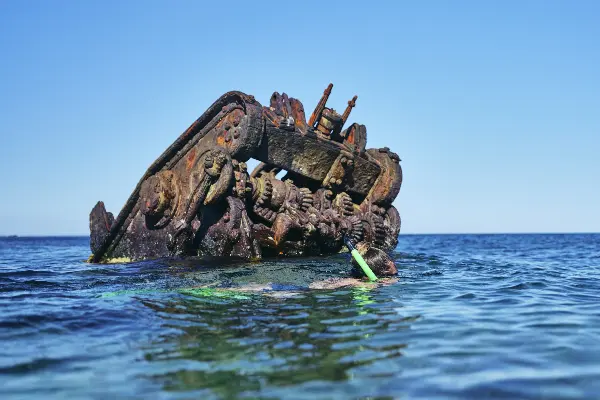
[[473, 316]]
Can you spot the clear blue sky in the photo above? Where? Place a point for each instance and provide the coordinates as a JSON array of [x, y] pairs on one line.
[[493, 106]]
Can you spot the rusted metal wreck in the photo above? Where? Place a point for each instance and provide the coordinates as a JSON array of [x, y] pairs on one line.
[[198, 199]]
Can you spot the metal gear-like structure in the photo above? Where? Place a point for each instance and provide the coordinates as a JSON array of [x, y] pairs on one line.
[[198, 199]]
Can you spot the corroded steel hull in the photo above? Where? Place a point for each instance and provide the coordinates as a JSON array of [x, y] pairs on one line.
[[198, 199]]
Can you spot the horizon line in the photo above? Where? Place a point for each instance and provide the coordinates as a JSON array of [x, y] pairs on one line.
[[4, 236]]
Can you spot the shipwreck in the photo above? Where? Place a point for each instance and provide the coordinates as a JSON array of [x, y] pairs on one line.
[[198, 198]]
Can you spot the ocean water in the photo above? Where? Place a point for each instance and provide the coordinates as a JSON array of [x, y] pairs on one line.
[[472, 316]]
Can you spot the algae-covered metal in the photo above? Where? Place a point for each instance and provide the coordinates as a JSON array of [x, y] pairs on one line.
[[198, 198]]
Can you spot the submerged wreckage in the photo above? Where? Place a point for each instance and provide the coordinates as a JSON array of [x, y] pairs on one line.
[[198, 199]]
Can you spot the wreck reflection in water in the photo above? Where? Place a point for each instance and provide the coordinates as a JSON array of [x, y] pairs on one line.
[[262, 343]]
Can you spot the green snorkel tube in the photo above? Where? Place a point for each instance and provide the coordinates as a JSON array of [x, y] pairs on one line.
[[363, 264]]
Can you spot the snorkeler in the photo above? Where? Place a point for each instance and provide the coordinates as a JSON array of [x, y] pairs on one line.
[[380, 263], [378, 260]]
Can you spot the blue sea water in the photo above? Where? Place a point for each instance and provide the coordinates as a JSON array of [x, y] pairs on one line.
[[472, 316]]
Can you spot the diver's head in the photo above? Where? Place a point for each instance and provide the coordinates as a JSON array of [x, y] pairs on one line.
[[378, 260]]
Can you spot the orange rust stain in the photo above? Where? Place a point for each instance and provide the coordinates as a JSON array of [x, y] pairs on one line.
[[191, 158], [189, 130], [350, 138]]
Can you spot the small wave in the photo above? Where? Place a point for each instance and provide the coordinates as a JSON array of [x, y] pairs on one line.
[[34, 365], [19, 273]]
